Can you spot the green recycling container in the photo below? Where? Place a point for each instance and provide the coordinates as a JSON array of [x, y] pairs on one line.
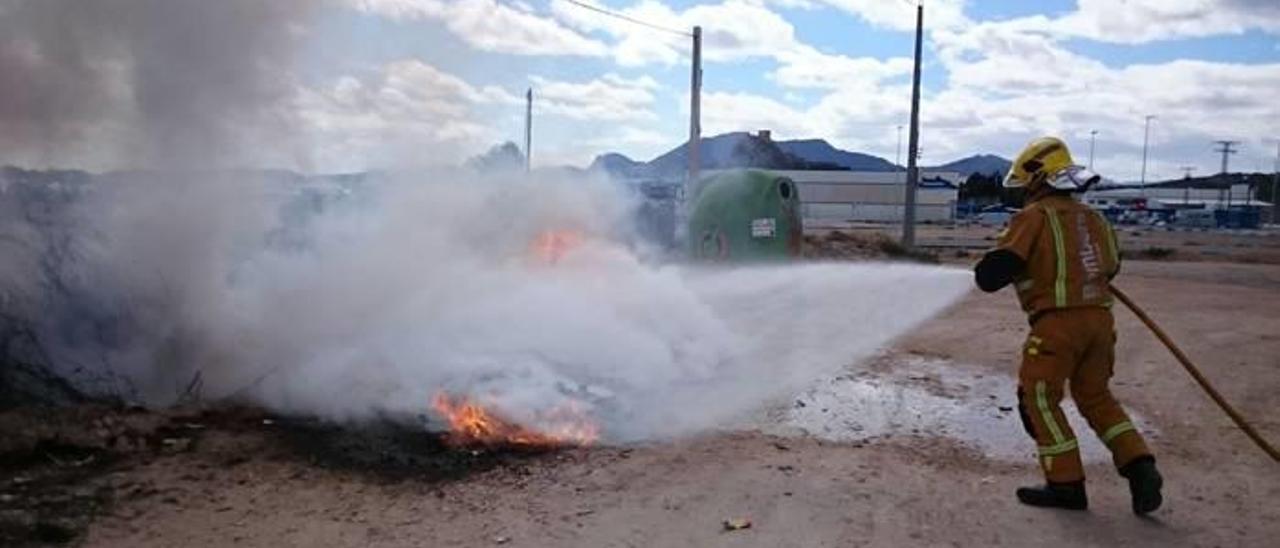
[[745, 216]]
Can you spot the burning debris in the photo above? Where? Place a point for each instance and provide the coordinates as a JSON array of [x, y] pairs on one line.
[[473, 424], [552, 245]]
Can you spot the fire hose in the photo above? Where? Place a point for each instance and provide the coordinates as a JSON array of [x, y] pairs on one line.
[[1195, 373]]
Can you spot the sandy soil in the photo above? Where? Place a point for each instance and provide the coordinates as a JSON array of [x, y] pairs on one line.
[[213, 478]]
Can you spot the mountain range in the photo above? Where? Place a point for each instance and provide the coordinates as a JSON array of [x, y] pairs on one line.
[[741, 150]]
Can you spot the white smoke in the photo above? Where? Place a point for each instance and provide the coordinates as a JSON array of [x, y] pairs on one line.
[[359, 298], [398, 289]]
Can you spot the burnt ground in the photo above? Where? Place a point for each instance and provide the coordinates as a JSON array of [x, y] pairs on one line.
[[197, 477], [62, 468]]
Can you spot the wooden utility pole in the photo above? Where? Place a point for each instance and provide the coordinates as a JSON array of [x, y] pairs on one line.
[[695, 115], [913, 146]]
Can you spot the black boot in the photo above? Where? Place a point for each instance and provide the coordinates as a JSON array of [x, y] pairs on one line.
[[1144, 484], [1056, 495]]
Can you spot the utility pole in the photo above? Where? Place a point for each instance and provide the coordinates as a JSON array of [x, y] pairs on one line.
[[897, 160], [528, 130], [695, 115], [1093, 135], [1146, 134], [1225, 147], [1275, 181], [913, 147], [1186, 184]]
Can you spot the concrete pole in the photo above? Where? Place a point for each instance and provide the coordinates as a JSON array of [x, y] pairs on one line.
[[913, 146], [695, 115], [1093, 136], [528, 130], [1146, 134], [897, 160], [1275, 181]]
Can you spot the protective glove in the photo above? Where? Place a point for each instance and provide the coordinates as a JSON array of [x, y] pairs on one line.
[[998, 268]]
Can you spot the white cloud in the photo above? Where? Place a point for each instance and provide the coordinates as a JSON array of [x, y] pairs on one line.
[[1011, 81], [856, 119], [805, 67], [734, 30], [1002, 59], [608, 98], [1140, 21], [723, 112], [635, 45], [795, 4], [900, 14], [638, 142], [1196, 101], [490, 25], [999, 84], [410, 112]]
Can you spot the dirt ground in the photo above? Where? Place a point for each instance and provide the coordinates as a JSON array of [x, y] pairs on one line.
[[950, 242], [199, 477]]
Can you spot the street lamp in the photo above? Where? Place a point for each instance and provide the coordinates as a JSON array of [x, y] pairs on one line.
[[1146, 134]]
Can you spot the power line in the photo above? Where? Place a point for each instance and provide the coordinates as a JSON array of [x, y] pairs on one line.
[[628, 18]]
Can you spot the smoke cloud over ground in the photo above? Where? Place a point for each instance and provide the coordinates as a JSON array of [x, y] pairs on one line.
[[355, 300], [358, 297]]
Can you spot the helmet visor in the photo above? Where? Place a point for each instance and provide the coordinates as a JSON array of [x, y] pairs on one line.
[[1075, 178], [1011, 180]]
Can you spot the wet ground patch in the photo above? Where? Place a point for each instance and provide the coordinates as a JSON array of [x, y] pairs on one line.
[[914, 396]]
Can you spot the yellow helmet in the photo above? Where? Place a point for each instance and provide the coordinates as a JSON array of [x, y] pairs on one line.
[[1047, 160]]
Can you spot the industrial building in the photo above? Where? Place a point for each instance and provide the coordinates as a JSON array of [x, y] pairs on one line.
[[1231, 207], [868, 196], [1175, 198]]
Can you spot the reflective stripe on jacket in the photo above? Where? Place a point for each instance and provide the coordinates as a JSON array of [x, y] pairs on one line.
[[1070, 252]]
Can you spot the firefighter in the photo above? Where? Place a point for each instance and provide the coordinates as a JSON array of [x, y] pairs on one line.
[[1060, 255]]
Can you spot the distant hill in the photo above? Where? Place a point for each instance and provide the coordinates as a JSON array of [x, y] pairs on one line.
[[742, 150], [617, 164], [818, 150], [725, 151], [985, 164]]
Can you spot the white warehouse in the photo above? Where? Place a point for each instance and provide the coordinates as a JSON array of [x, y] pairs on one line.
[[869, 196]]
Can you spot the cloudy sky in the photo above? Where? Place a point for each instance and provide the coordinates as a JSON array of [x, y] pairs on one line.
[[376, 83]]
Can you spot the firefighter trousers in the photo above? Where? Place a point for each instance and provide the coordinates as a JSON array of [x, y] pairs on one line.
[[1073, 347]]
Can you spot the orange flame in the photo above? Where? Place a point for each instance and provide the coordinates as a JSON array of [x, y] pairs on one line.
[[471, 424], [552, 245]]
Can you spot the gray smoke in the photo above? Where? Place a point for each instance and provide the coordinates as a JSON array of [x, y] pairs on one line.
[[129, 83]]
